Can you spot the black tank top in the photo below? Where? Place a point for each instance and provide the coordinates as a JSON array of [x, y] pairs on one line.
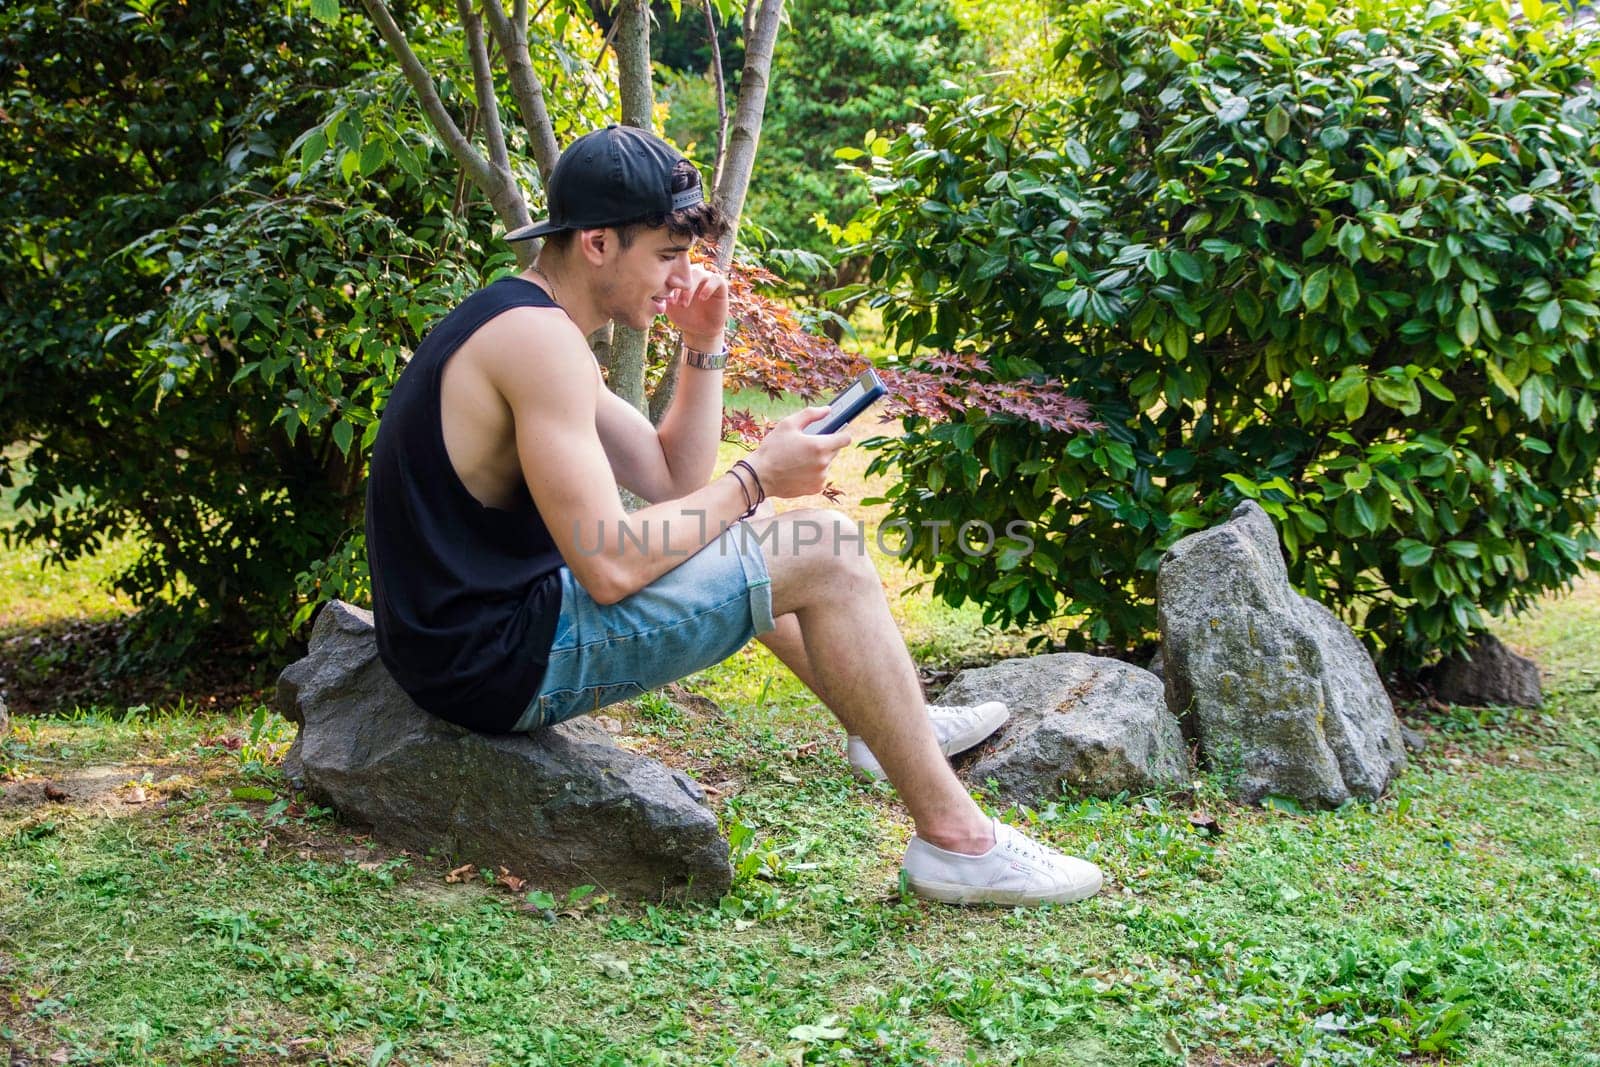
[[465, 597]]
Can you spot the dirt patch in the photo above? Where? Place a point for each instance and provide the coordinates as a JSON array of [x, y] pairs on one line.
[[105, 789]]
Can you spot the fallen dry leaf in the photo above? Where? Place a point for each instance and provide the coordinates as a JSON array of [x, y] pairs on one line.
[[511, 881], [54, 792], [1201, 819], [460, 874], [807, 749], [135, 795]]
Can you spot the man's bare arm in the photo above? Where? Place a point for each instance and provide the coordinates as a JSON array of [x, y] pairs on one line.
[[553, 401]]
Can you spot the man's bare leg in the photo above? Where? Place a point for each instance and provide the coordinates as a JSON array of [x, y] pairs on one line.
[[789, 646], [853, 650]]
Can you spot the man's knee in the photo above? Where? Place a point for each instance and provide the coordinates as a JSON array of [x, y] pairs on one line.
[[832, 539]]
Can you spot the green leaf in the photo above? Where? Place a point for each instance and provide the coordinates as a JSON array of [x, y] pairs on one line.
[[1176, 340], [1436, 387], [1249, 308], [1550, 316], [1355, 405], [1187, 266], [1345, 288], [343, 432], [312, 149], [1531, 399], [252, 792], [373, 156], [1439, 261], [1364, 513], [1316, 291], [1498, 377], [1350, 237], [326, 11], [1288, 805], [1317, 241], [1182, 49], [1467, 326], [1416, 555], [1277, 123]]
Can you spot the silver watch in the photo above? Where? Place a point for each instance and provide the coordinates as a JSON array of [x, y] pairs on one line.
[[705, 360]]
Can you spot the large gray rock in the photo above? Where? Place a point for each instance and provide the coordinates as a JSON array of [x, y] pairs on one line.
[[1098, 726], [563, 808], [1281, 696], [1488, 673]]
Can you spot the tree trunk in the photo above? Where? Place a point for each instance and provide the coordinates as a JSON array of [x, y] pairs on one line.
[[745, 136], [737, 163], [632, 44]]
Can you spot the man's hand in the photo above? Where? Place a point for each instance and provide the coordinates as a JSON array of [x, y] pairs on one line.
[[700, 311], [791, 463]]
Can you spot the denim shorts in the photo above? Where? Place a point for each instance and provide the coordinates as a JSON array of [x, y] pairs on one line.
[[697, 614]]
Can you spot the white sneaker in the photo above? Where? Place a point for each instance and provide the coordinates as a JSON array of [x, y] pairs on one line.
[[957, 728], [1017, 870]]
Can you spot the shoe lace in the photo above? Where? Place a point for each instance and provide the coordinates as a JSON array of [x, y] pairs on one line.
[[1027, 848], [951, 717]]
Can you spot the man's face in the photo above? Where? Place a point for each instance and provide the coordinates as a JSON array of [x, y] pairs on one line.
[[638, 279]]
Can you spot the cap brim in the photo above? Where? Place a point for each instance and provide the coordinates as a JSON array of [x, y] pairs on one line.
[[543, 228]]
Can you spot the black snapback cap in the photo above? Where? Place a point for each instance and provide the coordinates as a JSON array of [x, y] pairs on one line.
[[610, 177]]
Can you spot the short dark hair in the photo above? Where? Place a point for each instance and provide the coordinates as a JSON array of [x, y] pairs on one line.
[[703, 220]]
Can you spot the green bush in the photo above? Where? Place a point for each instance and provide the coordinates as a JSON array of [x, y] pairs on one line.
[[121, 121], [1337, 259], [840, 69], [228, 225]]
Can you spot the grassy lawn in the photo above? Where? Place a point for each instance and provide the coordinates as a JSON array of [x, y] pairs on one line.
[[180, 905]]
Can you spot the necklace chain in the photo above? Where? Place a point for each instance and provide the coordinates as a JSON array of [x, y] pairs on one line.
[[548, 284]]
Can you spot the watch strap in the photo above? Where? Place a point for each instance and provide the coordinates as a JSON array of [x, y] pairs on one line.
[[705, 360]]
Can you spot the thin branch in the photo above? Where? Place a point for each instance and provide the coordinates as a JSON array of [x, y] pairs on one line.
[[610, 36], [722, 98], [428, 95], [512, 35], [746, 132], [483, 87]]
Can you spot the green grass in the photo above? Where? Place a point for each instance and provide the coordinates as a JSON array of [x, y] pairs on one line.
[[35, 593], [204, 926], [225, 920]]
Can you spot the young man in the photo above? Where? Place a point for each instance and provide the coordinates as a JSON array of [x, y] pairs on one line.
[[511, 589]]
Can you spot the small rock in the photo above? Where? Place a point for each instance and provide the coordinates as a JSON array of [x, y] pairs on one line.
[[1094, 725], [1282, 697], [612, 967], [1413, 739], [1487, 673]]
